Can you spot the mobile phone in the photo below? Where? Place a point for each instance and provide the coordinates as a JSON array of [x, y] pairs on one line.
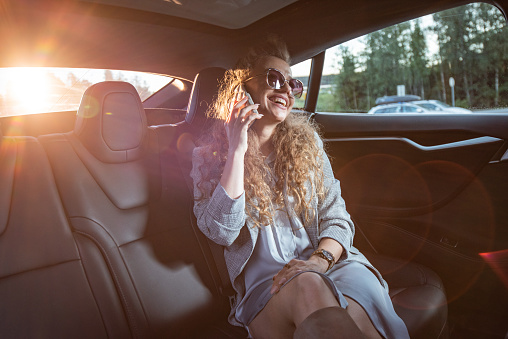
[[249, 98], [240, 92]]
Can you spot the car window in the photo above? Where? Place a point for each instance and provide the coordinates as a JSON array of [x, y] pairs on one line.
[[429, 106], [411, 109], [28, 90], [461, 47], [301, 72], [441, 104]]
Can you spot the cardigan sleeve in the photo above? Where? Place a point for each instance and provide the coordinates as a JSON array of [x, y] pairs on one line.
[[333, 219], [219, 216]]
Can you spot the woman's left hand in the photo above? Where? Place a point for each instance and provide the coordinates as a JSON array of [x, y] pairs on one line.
[[314, 263]]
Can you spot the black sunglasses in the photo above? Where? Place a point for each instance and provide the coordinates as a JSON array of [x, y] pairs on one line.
[[276, 80]]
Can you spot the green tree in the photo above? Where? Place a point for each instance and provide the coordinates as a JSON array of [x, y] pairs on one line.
[[347, 91], [491, 44], [386, 59], [472, 47], [418, 61]]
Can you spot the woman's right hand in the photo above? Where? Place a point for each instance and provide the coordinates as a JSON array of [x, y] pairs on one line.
[[240, 119]]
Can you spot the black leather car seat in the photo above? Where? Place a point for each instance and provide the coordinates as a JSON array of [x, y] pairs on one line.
[[45, 292], [416, 291], [132, 216]]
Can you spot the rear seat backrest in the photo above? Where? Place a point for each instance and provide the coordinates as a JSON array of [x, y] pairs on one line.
[[115, 202], [204, 92], [44, 290]]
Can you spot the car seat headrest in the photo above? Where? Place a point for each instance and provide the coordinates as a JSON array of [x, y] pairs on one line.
[[204, 92], [111, 122]]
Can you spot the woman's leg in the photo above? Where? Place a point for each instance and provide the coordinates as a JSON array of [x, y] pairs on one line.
[[368, 297], [361, 319], [297, 300]]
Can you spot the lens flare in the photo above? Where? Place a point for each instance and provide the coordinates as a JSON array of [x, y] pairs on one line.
[[185, 144], [15, 127], [498, 261], [45, 48]]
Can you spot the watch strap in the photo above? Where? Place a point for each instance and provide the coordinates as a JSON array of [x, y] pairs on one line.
[[325, 255]]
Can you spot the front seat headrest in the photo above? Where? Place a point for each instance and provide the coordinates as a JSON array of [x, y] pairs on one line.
[[204, 92], [111, 122]]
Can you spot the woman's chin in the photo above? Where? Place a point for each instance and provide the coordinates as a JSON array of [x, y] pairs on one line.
[[279, 115]]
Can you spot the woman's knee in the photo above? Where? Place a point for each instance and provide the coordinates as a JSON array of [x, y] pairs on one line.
[[310, 288], [305, 294], [307, 280]]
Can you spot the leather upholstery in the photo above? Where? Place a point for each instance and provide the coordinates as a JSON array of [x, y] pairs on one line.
[[204, 92], [44, 290], [417, 295], [134, 212], [111, 122]]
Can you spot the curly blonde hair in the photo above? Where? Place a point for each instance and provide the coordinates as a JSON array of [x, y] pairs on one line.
[[298, 166]]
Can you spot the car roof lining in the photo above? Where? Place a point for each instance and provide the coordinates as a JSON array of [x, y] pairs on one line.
[[228, 14], [131, 39]]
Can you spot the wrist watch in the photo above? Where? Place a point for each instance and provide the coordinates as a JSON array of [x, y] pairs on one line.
[[325, 255]]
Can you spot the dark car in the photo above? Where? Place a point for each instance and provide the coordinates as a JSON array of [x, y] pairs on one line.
[[97, 234]]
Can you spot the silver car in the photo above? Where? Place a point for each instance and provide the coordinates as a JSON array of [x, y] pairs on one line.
[[401, 107]]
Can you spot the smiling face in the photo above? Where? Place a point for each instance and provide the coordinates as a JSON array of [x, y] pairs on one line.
[[274, 104]]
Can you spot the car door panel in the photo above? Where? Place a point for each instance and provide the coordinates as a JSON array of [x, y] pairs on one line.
[[427, 188]]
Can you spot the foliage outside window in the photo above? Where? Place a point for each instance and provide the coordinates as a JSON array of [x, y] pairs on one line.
[[468, 43]]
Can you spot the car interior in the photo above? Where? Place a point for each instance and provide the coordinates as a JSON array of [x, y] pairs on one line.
[[97, 234]]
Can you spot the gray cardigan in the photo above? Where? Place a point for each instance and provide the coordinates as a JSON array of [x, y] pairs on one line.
[[224, 221]]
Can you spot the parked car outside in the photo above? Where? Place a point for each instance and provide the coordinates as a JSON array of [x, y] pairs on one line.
[[412, 104], [401, 107], [436, 105]]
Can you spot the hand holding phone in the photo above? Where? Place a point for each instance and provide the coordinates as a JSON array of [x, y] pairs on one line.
[[240, 93], [249, 100]]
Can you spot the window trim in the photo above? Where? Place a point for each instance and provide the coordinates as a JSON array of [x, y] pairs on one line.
[[316, 72]]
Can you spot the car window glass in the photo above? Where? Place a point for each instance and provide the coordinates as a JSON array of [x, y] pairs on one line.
[[411, 109], [428, 106], [460, 47], [28, 90], [301, 71]]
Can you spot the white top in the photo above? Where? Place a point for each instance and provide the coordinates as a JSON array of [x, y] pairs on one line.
[[277, 244]]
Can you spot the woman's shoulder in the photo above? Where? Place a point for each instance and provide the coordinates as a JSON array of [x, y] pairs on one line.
[[318, 139]]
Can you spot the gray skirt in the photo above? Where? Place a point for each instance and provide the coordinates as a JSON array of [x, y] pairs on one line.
[[350, 279]]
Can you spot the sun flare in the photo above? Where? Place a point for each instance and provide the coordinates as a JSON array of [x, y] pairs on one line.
[[27, 89]]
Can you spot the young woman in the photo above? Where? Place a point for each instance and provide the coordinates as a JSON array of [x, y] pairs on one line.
[[264, 189]]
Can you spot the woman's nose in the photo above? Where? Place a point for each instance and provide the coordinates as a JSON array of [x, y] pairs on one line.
[[286, 88]]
